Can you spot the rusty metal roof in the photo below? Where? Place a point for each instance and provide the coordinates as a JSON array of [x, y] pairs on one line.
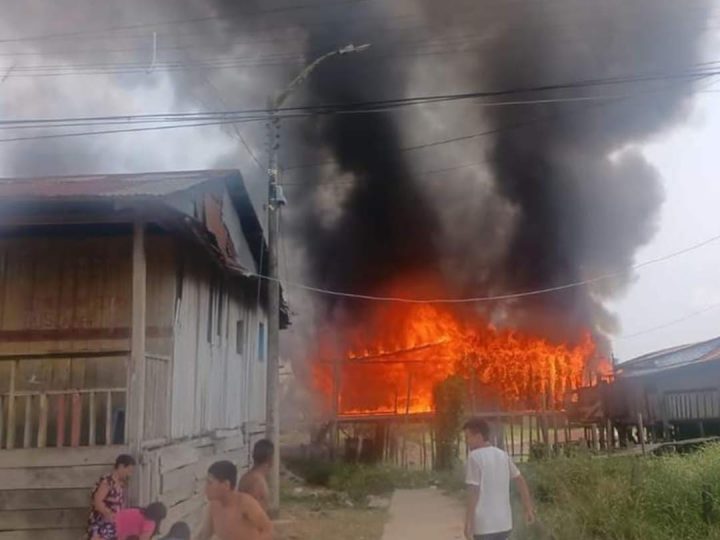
[[675, 357], [156, 184]]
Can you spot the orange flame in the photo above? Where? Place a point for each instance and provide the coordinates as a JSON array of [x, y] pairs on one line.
[[399, 354]]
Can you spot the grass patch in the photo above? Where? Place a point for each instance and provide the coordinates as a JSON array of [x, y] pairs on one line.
[[627, 498]]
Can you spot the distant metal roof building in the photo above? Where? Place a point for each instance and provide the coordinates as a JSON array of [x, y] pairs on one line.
[[672, 358]]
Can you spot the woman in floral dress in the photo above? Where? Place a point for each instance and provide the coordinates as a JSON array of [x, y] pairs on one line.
[[108, 498]]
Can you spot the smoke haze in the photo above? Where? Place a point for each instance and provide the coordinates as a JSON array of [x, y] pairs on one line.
[[556, 193]]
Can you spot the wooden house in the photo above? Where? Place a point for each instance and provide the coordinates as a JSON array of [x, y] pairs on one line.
[[676, 390], [131, 320]]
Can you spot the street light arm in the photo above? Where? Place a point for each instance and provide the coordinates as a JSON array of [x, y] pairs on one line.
[[307, 70]]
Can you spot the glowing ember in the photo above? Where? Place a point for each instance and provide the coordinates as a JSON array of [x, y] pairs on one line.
[[404, 350]]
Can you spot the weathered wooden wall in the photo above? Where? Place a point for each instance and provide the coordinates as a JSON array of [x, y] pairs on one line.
[[64, 325], [45, 493], [65, 307], [218, 376], [161, 291], [176, 473]]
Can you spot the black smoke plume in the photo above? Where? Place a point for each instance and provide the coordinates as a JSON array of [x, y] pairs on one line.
[[569, 197]]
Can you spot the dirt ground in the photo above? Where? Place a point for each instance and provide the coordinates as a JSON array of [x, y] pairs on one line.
[[424, 514], [300, 521]]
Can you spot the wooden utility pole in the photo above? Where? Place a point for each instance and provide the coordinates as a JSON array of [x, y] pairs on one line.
[[276, 200], [272, 421]]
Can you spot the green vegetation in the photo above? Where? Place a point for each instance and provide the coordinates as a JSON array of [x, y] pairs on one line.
[[626, 498], [449, 400]]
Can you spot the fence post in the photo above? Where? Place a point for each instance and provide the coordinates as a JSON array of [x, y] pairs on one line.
[[27, 433], [42, 421], [75, 419], [60, 421], [10, 439], [92, 419]]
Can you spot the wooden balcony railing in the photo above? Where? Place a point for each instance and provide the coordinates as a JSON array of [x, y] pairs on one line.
[[70, 417]]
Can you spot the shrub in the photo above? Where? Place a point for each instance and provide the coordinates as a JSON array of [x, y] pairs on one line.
[[626, 498]]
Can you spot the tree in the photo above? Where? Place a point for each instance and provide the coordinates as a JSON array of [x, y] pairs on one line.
[[449, 400]]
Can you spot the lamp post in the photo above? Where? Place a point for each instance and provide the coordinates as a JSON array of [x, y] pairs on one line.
[[276, 200]]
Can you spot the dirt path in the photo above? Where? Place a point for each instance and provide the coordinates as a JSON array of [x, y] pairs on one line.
[[424, 514]]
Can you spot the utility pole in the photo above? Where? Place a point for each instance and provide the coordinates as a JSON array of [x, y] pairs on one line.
[[276, 200], [272, 424]]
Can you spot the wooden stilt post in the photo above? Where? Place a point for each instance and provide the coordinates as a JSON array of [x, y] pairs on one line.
[[522, 436], [473, 389], [407, 418], [432, 447], [334, 432], [135, 419], [531, 434], [641, 432], [512, 435]]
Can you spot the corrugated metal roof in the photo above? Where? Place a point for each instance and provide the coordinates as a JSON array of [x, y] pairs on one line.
[[675, 357], [157, 184]]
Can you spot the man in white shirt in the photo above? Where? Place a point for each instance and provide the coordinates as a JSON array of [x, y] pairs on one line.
[[488, 475]]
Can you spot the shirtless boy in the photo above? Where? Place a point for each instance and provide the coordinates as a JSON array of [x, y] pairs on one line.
[[231, 515], [254, 482]]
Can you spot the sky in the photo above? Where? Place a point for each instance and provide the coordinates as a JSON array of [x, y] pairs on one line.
[[688, 286]]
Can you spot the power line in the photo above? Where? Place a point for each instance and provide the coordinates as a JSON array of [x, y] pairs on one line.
[[104, 31], [223, 117], [441, 142], [420, 173], [128, 130], [461, 138], [671, 323], [387, 104], [494, 298]]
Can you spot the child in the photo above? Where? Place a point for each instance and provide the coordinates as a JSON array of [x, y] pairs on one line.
[[141, 522], [179, 531], [254, 482]]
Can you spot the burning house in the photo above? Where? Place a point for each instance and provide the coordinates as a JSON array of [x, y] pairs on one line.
[[554, 194]]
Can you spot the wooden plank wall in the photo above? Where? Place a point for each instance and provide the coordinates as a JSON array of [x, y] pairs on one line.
[[215, 385], [64, 295], [71, 295], [161, 291], [45, 493], [176, 473]]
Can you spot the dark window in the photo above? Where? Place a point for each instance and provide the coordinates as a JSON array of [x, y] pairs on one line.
[[211, 311], [240, 337], [220, 306], [262, 344]]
